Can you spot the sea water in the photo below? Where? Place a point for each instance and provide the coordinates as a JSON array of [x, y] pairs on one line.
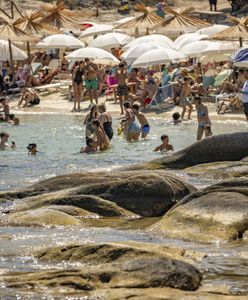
[[60, 137]]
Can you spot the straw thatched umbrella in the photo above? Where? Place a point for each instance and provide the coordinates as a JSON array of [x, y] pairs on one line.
[[10, 31], [238, 32], [147, 20], [180, 21], [30, 22], [60, 16]]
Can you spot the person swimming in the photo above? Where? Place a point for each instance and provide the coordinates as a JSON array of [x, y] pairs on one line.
[[32, 149], [4, 137], [165, 146], [175, 119]]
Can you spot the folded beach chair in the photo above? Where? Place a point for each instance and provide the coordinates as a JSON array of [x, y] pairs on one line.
[[162, 96]]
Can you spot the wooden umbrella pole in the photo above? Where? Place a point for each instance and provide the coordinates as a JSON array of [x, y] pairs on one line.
[[28, 53], [240, 42], [11, 61]]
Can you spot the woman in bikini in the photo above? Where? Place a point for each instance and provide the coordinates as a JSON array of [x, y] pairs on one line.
[[77, 76], [131, 126], [105, 120], [102, 138], [204, 123]]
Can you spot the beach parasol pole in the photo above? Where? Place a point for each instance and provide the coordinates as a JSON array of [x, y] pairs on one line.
[[240, 42], [11, 60]]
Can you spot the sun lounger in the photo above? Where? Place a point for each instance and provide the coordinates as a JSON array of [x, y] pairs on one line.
[[47, 86], [163, 93]]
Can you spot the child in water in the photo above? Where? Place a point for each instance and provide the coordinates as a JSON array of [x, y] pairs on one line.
[[32, 149], [165, 146], [91, 146], [4, 137]]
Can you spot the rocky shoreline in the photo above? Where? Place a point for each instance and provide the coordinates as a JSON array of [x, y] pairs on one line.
[[173, 208]]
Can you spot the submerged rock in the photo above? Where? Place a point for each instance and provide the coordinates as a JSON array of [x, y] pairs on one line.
[[224, 147], [220, 170], [217, 213], [40, 217]]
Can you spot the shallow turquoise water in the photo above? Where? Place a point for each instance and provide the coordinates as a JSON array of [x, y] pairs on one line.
[[59, 138]]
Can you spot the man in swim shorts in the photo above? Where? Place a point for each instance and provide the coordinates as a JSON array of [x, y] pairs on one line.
[[91, 82]]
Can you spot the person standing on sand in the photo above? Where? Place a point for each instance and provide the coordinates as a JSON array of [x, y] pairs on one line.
[[184, 100], [122, 88], [213, 5], [77, 76], [91, 81]]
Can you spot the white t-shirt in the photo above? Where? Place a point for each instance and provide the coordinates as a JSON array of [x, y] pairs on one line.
[[244, 95]]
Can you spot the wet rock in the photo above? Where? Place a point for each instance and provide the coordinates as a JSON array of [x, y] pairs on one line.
[[116, 194], [133, 273], [217, 213], [224, 147], [107, 252], [219, 170], [39, 217]]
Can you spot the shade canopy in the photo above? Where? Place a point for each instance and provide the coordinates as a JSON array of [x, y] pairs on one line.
[[110, 40], [17, 53], [180, 21], [199, 48], [153, 38], [158, 57], [98, 55], [60, 41], [148, 18], [134, 52], [240, 58], [212, 29], [30, 22], [188, 38], [97, 29], [233, 33], [60, 16]]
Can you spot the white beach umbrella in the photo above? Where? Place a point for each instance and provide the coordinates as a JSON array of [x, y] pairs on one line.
[[97, 29], [153, 38], [17, 53], [212, 29], [98, 55], [134, 52], [158, 57], [110, 40], [200, 48], [188, 38], [60, 41]]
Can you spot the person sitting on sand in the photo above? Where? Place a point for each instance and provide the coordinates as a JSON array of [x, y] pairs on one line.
[[45, 77], [91, 146], [4, 137], [4, 108], [165, 146], [29, 96], [13, 120], [145, 127], [102, 139], [131, 128]]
